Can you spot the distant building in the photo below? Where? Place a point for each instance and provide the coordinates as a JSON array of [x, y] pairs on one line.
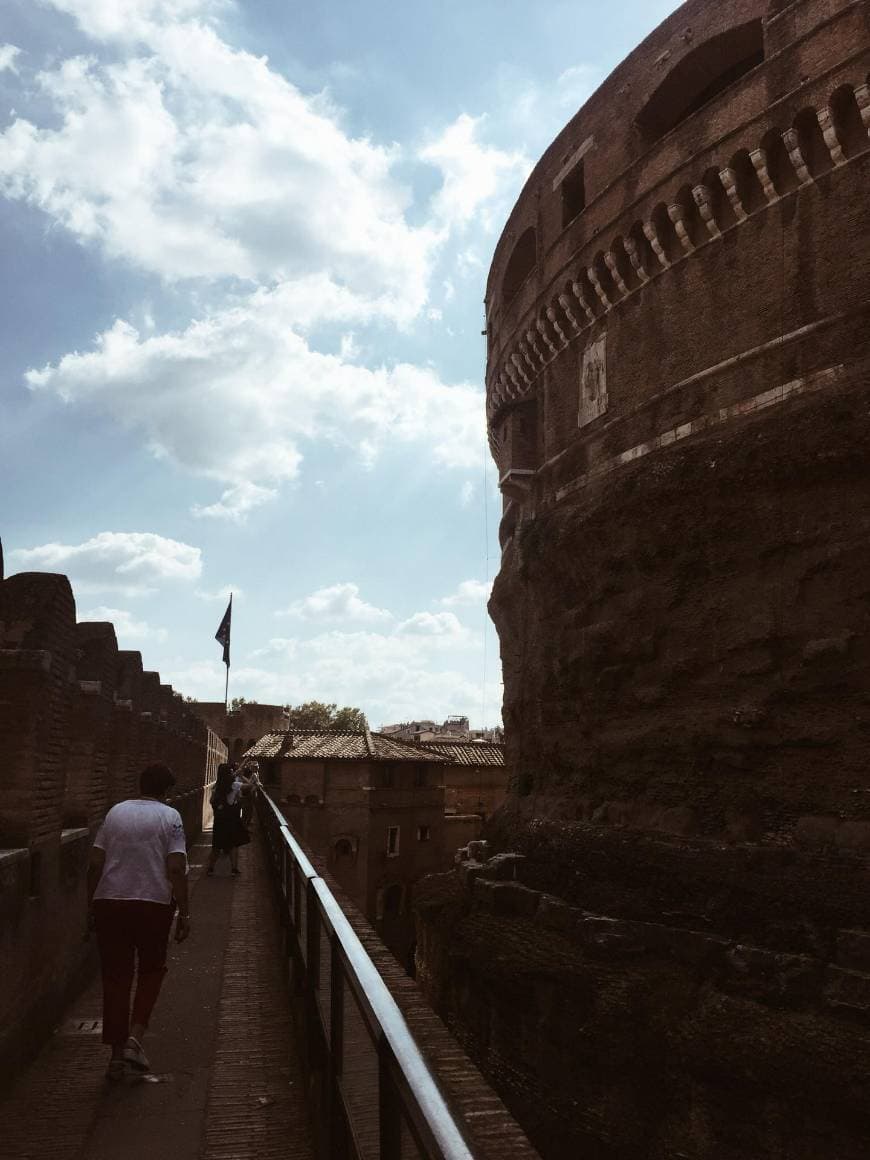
[[240, 728], [373, 808], [453, 728], [475, 778]]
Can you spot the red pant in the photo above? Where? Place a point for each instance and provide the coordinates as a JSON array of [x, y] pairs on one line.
[[125, 930]]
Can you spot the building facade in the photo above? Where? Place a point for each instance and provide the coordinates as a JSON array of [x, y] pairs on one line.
[[371, 808]]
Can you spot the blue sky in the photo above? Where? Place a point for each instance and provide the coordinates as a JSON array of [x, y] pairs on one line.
[[244, 249]]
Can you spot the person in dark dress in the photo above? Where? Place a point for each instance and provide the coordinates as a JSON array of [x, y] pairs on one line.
[[226, 804]]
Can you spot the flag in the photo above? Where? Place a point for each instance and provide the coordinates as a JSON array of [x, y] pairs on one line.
[[222, 636]]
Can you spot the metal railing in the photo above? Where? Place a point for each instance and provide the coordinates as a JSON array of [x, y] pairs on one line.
[[373, 1095]]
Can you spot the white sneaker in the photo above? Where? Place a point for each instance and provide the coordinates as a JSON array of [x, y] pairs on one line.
[[135, 1056]]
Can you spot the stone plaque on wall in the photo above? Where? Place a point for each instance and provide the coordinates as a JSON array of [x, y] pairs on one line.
[[593, 382]]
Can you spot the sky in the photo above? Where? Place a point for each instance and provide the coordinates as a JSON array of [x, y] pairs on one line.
[[244, 248]]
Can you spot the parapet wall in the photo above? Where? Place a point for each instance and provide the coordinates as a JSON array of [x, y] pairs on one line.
[[79, 720]]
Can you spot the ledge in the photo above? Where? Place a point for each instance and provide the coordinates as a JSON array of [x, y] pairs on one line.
[[77, 834], [11, 856]]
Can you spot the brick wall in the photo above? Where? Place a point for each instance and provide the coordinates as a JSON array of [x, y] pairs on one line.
[[79, 720]]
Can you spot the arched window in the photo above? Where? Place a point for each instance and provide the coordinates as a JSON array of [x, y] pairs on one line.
[[520, 264], [343, 850], [706, 72]]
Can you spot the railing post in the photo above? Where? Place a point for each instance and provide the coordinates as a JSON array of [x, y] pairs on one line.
[[389, 1107], [338, 1139]]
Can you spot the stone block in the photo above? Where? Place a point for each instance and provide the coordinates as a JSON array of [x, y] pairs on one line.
[[478, 851], [468, 871], [853, 949], [775, 977], [611, 935], [512, 898], [504, 867], [555, 914], [849, 989]]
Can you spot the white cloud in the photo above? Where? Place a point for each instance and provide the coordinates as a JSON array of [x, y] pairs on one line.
[[221, 594], [131, 563], [473, 174], [432, 624], [127, 627], [469, 593], [466, 494], [191, 159], [337, 602], [392, 677], [235, 503], [8, 53], [231, 397]]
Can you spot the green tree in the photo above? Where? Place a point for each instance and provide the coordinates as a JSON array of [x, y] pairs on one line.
[[238, 702], [318, 715]]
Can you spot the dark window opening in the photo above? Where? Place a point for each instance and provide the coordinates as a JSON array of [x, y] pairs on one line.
[[520, 264], [573, 193], [393, 899], [393, 841], [388, 777], [420, 775], [343, 849], [423, 833], [709, 70]]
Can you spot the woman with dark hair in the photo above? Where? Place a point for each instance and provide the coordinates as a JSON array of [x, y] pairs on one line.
[[226, 804]]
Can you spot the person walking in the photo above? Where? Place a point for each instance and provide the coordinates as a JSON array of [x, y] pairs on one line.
[[251, 771], [137, 878], [228, 831]]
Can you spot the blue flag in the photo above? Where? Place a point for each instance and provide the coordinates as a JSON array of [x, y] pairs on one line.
[[222, 636]]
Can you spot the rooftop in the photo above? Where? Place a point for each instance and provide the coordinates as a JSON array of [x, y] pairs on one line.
[[466, 752], [337, 745]]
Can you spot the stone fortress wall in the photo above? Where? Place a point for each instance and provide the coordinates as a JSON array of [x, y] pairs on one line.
[[677, 394], [79, 720]]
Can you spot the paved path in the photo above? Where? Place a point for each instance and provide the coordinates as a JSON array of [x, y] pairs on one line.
[[221, 1042]]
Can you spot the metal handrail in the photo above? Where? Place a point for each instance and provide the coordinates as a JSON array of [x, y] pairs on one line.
[[407, 1088]]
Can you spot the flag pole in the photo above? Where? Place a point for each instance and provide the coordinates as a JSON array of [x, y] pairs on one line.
[[222, 636]]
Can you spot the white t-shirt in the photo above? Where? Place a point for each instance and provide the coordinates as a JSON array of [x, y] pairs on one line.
[[136, 836]]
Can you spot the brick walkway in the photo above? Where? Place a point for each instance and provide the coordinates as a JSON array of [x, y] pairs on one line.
[[221, 1042]]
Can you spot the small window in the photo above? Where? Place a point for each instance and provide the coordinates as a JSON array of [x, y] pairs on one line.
[[423, 833], [343, 850], [387, 777], [420, 775], [520, 264], [392, 841], [573, 193]]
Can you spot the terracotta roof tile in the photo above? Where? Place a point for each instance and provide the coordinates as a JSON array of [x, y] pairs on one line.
[[467, 752], [337, 745]]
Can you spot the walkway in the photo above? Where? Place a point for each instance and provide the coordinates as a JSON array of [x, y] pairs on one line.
[[221, 1046]]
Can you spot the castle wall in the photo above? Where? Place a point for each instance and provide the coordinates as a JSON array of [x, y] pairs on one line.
[[682, 611], [79, 720]]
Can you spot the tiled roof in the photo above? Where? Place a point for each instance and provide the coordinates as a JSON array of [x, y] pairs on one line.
[[466, 752], [337, 745]]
